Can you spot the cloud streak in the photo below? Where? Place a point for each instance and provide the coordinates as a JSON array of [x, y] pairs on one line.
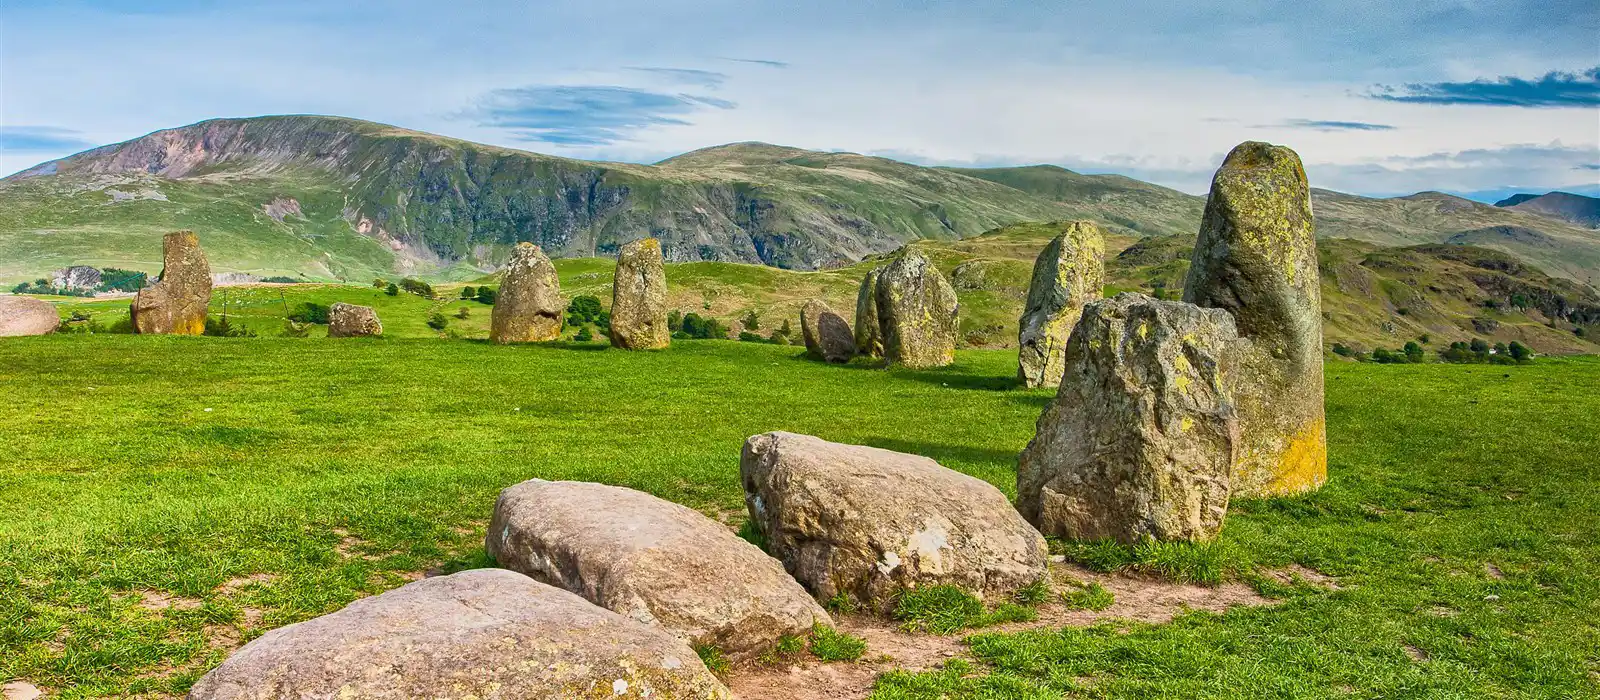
[[585, 115], [685, 76], [1325, 125], [759, 62], [41, 139], [1553, 89]]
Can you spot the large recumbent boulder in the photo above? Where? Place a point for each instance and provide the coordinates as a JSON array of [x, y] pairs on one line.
[[27, 316]]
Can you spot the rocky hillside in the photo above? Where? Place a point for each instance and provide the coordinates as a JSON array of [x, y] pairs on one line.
[[1565, 206]]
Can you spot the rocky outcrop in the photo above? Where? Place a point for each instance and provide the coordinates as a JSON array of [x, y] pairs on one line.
[[1139, 442], [639, 298], [869, 334], [866, 523], [917, 312], [529, 305], [177, 304], [1256, 258], [827, 335], [351, 321], [651, 561], [27, 316], [81, 277], [1068, 273], [484, 633]]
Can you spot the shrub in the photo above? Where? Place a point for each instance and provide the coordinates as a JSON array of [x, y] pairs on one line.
[[1580, 331], [830, 644], [487, 295], [379, 283], [674, 320], [583, 335], [696, 326], [280, 279], [309, 312], [417, 287], [463, 312], [1413, 352], [584, 308], [750, 321], [469, 292], [1342, 350], [1425, 339], [1521, 353], [221, 327], [437, 321], [391, 290], [748, 337]]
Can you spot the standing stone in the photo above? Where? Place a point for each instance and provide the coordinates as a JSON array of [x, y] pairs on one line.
[[351, 321], [529, 306], [652, 561], [1067, 274], [482, 633], [1140, 439], [27, 316], [869, 334], [917, 311], [177, 304], [866, 523], [827, 334], [1256, 258], [639, 298]]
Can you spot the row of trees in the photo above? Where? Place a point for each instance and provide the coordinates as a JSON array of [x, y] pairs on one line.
[[1476, 351]]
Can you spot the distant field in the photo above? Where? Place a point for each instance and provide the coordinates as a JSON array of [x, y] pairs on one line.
[[166, 499]]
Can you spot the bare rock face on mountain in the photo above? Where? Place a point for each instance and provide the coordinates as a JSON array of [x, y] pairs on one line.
[[639, 298], [529, 305], [1140, 440], [827, 335], [27, 316], [866, 523], [869, 332], [652, 561], [917, 311], [177, 304], [483, 633], [351, 321], [80, 277], [1068, 273], [1256, 258]]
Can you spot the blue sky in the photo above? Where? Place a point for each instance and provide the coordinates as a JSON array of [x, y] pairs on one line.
[[1467, 96]]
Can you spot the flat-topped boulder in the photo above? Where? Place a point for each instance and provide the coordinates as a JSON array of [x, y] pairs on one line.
[[485, 633], [1068, 273], [177, 303], [827, 335], [639, 298], [917, 313], [652, 561], [1139, 441], [1256, 258], [27, 316], [869, 332], [351, 321], [867, 523], [529, 306]]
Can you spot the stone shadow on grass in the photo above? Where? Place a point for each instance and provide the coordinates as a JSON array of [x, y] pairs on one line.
[[958, 377]]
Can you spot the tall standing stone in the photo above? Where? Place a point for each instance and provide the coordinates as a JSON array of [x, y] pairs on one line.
[[827, 335], [1256, 258], [869, 334], [1140, 440], [177, 304], [529, 306], [1068, 273], [918, 313], [639, 298]]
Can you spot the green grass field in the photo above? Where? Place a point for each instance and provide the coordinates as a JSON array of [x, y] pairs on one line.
[[253, 483]]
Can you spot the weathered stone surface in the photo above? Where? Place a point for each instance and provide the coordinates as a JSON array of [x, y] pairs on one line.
[[27, 316], [351, 321], [176, 304], [1256, 258], [1140, 439], [1068, 273], [639, 298], [76, 277], [867, 523], [827, 334], [869, 334], [529, 306], [650, 560], [917, 313], [485, 633]]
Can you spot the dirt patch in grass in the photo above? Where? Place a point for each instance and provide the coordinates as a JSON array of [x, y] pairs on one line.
[[889, 647], [234, 584], [1289, 574], [20, 690], [156, 601]]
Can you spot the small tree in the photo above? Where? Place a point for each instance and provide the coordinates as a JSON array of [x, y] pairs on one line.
[[486, 295], [1413, 352], [392, 290], [583, 335], [463, 313], [1479, 346], [469, 292], [1521, 353], [379, 283], [750, 321], [437, 321]]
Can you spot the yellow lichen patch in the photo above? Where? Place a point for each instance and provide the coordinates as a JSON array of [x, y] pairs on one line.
[[1144, 331], [1185, 424], [1303, 466]]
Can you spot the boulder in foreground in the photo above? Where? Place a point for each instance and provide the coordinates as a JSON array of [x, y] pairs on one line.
[[528, 308], [1068, 273], [1140, 439], [27, 316], [917, 313], [177, 303], [351, 321], [866, 523], [639, 298], [652, 561], [827, 334], [485, 633]]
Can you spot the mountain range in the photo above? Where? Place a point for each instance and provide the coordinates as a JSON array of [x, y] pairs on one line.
[[1579, 209], [331, 199]]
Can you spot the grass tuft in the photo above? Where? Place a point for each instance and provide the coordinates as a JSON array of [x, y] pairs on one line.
[[1091, 596], [945, 609], [788, 647], [711, 656], [830, 644], [751, 532], [1203, 563]]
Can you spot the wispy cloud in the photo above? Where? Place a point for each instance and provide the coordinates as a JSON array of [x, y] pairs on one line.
[[758, 61], [41, 139], [685, 76], [585, 115], [1588, 166], [1553, 89], [1327, 125]]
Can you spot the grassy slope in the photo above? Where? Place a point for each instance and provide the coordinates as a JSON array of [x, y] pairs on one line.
[[336, 469]]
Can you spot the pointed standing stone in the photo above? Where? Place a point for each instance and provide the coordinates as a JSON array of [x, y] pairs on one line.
[[827, 335], [639, 298], [917, 310], [1256, 258], [177, 304], [529, 305], [1068, 273], [869, 334]]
